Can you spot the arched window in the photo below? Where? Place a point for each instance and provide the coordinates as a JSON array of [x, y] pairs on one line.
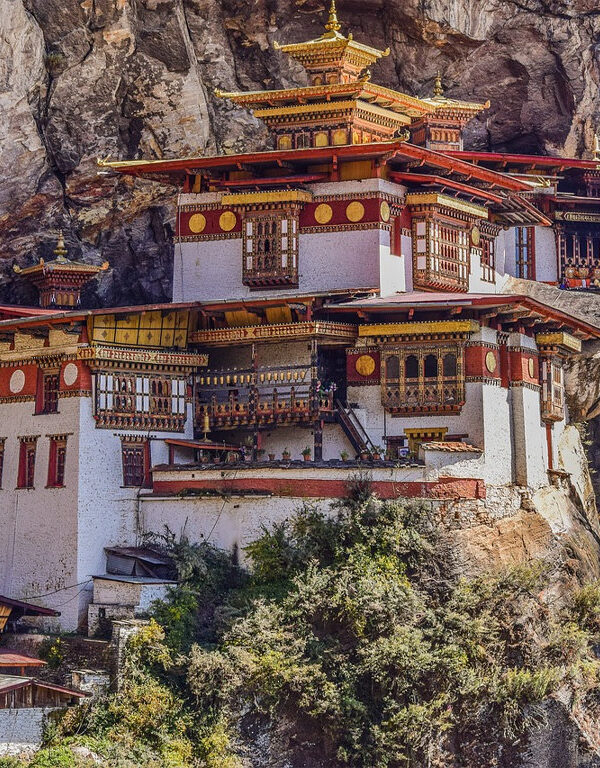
[[431, 367], [412, 367], [450, 368], [392, 368]]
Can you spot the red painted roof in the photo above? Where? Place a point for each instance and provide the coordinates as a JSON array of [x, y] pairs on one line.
[[13, 682], [10, 658], [532, 160], [29, 608]]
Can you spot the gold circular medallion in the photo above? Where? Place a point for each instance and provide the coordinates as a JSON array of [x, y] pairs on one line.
[[365, 365], [384, 210], [227, 221], [531, 367], [490, 361], [197, 223], [355, 211], [323, 213], [475, 236]]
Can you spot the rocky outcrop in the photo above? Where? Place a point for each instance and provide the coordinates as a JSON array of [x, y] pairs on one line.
[[135, 78]]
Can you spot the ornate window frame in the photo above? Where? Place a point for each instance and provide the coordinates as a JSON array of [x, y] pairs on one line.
[[270, 248], [430, 378]]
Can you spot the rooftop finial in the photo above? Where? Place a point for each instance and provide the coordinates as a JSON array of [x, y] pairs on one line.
[[60, 251], [438, 88], [333, 24]]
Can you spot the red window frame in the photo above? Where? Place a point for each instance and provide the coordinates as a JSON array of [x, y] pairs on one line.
[[26, 474], [47, 392], [56, 462], [135, 456]]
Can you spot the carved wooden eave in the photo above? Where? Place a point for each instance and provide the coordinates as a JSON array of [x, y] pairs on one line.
[[327, 331]]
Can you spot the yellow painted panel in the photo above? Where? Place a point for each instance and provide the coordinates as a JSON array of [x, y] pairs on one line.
[[143, 329], [411, 329], [359, 169], [278, 315]]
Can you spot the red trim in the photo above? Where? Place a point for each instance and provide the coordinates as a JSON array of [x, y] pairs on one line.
[[444, 488], [530, 160], [549, 442], [424, 178]]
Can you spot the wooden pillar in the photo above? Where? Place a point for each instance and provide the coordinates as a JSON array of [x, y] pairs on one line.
[[314, 401], [253, 406]]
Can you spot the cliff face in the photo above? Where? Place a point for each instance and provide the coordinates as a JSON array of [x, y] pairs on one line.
[[135, 78]]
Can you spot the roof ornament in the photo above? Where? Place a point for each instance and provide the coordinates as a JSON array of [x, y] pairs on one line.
[[333, 26], [60, 251], [438, 88]]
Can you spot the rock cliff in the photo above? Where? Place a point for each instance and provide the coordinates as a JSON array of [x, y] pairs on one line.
[[135, 78]]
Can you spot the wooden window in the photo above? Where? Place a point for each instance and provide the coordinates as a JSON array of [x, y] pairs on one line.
[[424, 380], [56, 461], [270, 250], [26, 474], [2, 443], [136, 463], [440, 254], [137, 400], [525, 253], [488, 260], [553, 390], [47, 392]]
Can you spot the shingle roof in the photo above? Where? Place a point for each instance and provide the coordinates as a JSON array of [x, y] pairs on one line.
[[450, 447]]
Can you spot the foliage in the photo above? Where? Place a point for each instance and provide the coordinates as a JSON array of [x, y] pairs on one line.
[[347, 646]]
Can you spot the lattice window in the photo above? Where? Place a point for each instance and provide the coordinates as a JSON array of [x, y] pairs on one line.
[[488, 260], [27, 449], [579, 254], [525, 253], [426, 379], [56, 461], [270, 250], [441, 254], [553, 389], [140, 401], [136, 463]]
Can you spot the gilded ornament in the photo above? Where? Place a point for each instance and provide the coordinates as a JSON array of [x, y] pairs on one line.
[[227, 221], [323, 213], [490, 361], [531, 367], [475, 236], [365, 365], [197, 223], [355, 211], [384, 210]]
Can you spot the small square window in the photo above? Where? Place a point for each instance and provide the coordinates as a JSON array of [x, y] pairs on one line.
[[56, 462]]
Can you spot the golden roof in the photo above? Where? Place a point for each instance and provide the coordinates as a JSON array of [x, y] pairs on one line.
[[361, 89], [60, 263], [441, 103], [331, 43]]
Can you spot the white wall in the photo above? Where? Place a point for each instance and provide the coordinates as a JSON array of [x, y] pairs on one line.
[[212, 270], [546, 268], [38, 548]]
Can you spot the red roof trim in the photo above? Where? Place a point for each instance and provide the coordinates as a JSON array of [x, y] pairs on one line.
[[33, 609], [545, 160]]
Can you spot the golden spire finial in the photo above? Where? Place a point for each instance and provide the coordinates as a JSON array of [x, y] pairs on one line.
[[333, 24], [438, 88], [60, 251]]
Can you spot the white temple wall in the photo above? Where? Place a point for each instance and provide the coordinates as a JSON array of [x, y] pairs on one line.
[[293, 438], [406, 249], [497, 434], [378, 424], [38, 552], [108, 511], [212, 270], [510, 252], [228, 523], [531, 454], [546, 269], [392, 272]]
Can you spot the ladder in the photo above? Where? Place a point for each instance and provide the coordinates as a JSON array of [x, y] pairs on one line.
[[353, 429]]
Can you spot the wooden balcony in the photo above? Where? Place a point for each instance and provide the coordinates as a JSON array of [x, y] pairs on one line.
[[424, 396], [255, 398]]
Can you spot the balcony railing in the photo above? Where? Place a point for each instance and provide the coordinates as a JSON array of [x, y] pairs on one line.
[[234, 398], [424, 396]]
